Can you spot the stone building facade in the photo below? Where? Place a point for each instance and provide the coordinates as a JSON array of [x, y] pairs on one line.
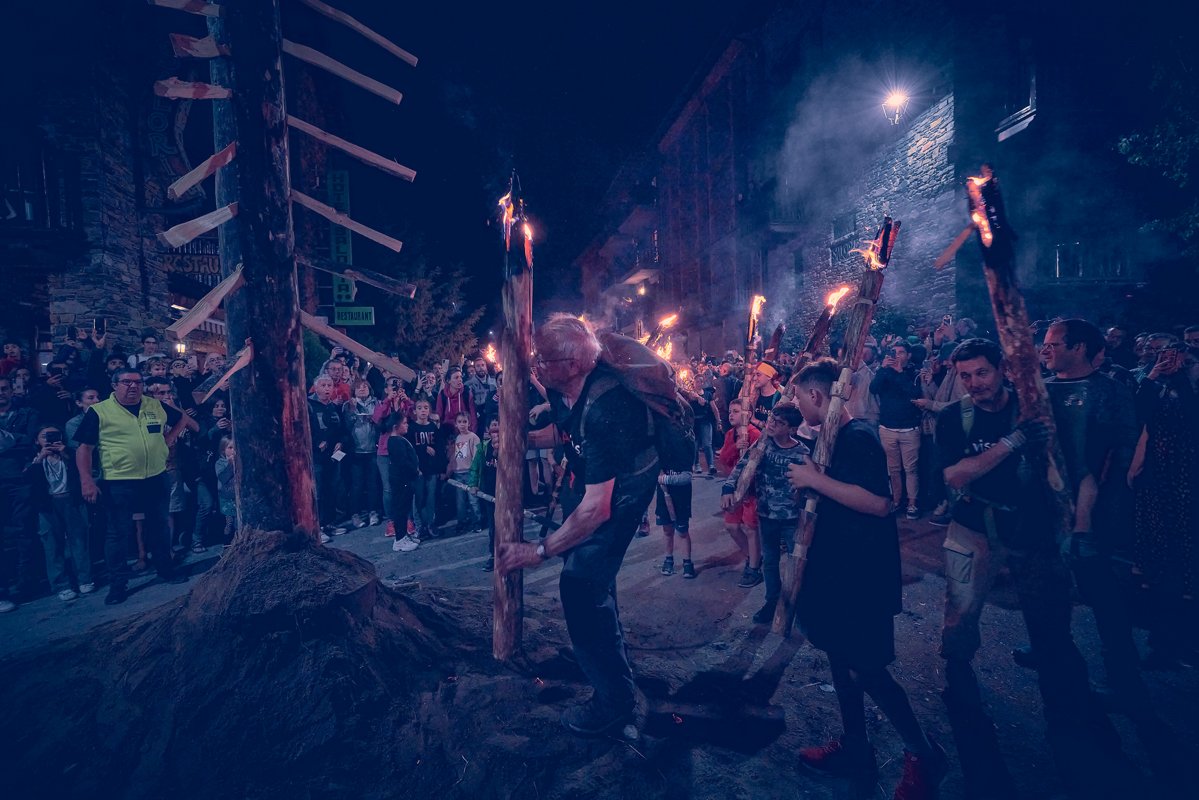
[[777, 162]]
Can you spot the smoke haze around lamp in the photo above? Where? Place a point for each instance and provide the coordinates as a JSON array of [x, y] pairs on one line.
[[895, 105]]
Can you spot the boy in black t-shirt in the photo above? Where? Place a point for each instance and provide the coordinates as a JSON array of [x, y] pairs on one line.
[[851, 593], [423, 434], [403, 469]]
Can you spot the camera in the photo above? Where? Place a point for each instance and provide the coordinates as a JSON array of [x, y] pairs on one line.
[[53, 437]]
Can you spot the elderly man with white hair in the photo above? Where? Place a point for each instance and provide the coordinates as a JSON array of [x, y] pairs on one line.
[[613, 467]]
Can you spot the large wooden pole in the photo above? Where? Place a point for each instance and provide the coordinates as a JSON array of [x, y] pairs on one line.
[[275, 487], [516, 346]]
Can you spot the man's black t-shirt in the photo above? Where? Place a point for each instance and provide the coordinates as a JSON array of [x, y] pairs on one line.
[[1001, 486], [763, 406], [89, 427], [851, 585], [1096, 424]]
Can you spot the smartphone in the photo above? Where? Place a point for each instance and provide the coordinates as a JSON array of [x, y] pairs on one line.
[[53, 437], [100, 325]]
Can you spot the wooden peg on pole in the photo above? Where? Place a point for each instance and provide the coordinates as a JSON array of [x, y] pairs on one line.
[[366, 276], [190, 47], [204, 392], [357, 348], [318, 59], [360, 153], [333, 215], [204, 169], [204, 308], [175, 89], [184, 232], [358, 27]]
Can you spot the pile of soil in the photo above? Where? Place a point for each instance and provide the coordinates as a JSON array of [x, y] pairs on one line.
[[290, 670]]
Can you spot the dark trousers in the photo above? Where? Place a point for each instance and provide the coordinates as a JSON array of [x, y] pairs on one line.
[[123, 499], [325, 474], [17, 522], [593, 622], [401, 506], [778, 537], [364, 483]]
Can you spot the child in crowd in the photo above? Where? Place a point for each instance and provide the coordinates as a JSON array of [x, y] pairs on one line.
[[741, 520], [363, 436], [465, 446], [422, 435], [778, 502], [482, 477], [224, 488], [62, 520], [673, 511], [403, 471]]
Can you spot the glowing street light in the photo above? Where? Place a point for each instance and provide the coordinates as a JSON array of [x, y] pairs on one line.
[[895, 105]]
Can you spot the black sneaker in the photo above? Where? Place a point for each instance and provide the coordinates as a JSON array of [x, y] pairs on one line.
[[116, 595], [751, 577], [688, 569], [592, 719], [765, 613], [668, 566], [489, 565]]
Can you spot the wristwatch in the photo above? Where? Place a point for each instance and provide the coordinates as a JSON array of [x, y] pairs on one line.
[[541, 551]]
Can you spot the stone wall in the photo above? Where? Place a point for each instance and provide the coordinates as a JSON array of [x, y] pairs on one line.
[[912, 180]]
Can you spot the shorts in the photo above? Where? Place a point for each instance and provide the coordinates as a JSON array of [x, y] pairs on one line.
[[744, 513], [534, 454], [680, 498]]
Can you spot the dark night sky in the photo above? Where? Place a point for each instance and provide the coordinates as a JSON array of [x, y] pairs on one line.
[[562, 93]]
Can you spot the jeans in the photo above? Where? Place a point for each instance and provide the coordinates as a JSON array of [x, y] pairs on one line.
[[903, 453], [703, 442], [123, 499], [425, 489], [63, 530], [364, 487], [16, 534], [206, 508], [593, 623], [383, 464], [776, 534], [467, 504]]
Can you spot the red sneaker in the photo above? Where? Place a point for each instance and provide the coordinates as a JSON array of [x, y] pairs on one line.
[[411, 528], [391, 529], [834, 758], [922, 775]]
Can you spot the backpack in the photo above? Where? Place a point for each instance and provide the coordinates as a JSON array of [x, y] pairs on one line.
[[649, 378]]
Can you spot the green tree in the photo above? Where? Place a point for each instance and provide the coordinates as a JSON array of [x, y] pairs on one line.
[[435, 324]]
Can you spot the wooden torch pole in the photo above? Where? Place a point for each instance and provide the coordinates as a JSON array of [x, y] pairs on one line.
[[516, 346]]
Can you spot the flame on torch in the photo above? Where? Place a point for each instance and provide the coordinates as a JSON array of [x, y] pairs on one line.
[[489, 353], [978, 215], [835, 296], [755, 310], [507, 216], [666, 322], [666, 349]]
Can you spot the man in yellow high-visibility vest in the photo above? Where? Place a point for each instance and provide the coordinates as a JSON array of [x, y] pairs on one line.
[[132, 433]]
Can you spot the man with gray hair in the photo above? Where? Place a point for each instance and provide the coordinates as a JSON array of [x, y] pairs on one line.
[[613, 466]]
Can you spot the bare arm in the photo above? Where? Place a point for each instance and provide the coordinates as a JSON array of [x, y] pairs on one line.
[[83, 462], [594, 510], [974, 467]]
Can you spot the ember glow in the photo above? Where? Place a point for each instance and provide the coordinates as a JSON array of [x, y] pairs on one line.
[[507, 216], [834, 297], [667, 322], [643, 339], [755, 310], [528, 229], [870, 254], [490, 353], [666, 350]]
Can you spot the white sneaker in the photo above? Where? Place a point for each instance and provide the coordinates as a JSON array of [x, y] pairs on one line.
[[87, 588], [67, 594], [405, 544], [325, 538], [374, 518]]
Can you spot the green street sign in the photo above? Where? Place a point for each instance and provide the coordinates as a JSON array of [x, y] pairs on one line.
[[354, 315], [344, 290]]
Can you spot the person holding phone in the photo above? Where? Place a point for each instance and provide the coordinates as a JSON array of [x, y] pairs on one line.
[[62, 519]]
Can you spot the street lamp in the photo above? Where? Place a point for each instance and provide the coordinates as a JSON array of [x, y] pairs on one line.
[[895, 105]]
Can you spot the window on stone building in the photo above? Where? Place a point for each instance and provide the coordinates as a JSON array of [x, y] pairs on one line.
[[39, 186], [800, 268], [844, 224], [1020, 89]]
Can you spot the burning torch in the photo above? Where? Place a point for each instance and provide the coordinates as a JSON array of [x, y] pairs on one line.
[[664, 324], [755, 313]]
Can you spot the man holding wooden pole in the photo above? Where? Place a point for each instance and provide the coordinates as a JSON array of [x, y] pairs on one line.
[[613, 466]]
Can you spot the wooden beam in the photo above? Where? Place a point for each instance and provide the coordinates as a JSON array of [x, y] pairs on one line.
[[189, 90], [201, 171], [199, 7], [360, 153], [366, 276], [184, 232], [333, 215], [204, 392], [190, 47], [362, 351], [317, 59], [358, 27], [205, 306]]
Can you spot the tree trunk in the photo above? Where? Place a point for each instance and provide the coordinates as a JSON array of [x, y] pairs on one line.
[[275, 487]]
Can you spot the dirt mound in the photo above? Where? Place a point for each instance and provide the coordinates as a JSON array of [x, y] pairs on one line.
[[290, 671]]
